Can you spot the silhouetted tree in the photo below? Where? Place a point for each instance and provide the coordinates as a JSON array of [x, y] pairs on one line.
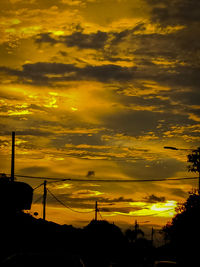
[[104, 243], [184, 231], [132, 235], [194, 160]]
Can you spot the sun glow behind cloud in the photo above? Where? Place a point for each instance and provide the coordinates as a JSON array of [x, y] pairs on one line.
[[160, 209]]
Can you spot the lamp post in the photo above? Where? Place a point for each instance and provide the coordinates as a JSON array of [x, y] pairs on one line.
[[193, 158]]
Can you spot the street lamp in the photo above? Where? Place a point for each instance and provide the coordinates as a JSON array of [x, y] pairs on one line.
[[193, 158]]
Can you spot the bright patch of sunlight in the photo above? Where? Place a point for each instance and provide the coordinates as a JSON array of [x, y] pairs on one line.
[[160, 209], [63, 186], [166, 209], [18, 113], [74, 109]]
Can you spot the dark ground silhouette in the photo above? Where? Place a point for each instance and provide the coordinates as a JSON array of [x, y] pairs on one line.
[[27, 241]]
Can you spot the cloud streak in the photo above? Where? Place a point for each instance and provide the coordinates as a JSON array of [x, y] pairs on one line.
[[46, 73]]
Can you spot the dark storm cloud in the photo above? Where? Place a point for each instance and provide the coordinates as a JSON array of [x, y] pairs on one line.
[[182, 46], [177, 77], [42, 68], [152, 169], [47, 73], [109, 72], [147, 100], [154, 199], [86, 41], [104, 199], [118, 37], [79, 39], [187, 97], [181, 74], [121, 210], [93, 140], [176, 12], [45, 38], [141, 122], [155, 44], [127, 121], [75, 139], [84, 197], [87, 202], [94, 40]]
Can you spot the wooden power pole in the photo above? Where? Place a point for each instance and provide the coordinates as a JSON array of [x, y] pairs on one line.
[[13, 158], [44, 200], [96, 210], [152, 235]]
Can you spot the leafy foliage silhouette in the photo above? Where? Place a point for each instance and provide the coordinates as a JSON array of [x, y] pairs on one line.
[[194, 159], [183, 233]]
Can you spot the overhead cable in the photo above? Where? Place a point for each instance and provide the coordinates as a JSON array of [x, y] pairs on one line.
[[58, 179], [38, 186], [62, 203]]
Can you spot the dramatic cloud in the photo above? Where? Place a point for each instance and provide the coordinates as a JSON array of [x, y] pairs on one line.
[[175, 12], [46, 73], [154, 199], [45, 38], [87, 41]]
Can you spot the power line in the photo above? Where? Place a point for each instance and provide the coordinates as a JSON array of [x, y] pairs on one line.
[[43, 178], [103, 180], [97, 210], [58, 179], [38, 199], [100, 214], [38, 186], [62, 203], [132, 181]]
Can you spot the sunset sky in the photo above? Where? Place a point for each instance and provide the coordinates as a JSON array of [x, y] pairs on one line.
[[94, 89]]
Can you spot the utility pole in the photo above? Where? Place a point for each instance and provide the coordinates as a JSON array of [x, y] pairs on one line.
[[96, 210], [13, 158], [136, 229], [136, 226], [44, 200], [152, 235]]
